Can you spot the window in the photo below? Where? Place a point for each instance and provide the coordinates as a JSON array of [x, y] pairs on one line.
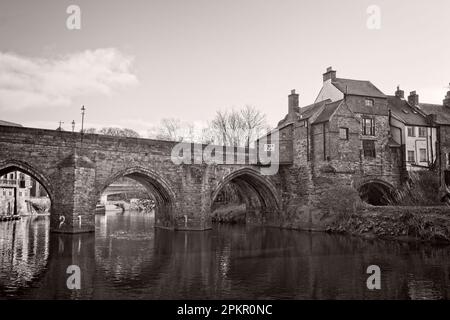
[[422, 132], [369, 148], [369, 103], [411, 132], [411, 157], [368, 128], [423, 155], [343, 133]]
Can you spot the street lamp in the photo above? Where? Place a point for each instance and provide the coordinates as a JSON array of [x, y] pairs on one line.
[[73, 125], [60, 126], [82, 118]]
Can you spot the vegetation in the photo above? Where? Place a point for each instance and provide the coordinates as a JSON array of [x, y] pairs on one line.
[[236, 127], [114, 131], [421, 189], [229, 127]]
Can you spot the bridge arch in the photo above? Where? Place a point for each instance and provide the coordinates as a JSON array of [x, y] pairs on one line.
[[256, 191], [376, 192], [11, 165], [156, 185]]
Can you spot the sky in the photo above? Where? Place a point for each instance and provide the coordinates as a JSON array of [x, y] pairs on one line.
[[135, 62]]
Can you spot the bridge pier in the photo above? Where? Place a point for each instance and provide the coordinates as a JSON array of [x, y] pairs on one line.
[[73, 208]]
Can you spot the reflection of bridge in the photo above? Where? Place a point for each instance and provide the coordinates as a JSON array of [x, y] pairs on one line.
[[76, 169]]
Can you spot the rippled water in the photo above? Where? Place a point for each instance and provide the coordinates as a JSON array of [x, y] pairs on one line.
[[128, 259]]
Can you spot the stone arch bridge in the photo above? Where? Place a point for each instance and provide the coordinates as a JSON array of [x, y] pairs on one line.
[[75, 169]]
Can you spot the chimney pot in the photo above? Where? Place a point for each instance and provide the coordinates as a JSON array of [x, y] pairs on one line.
[[413, 98], [400, 93], [330, 74], [292, 104], [446, 101]]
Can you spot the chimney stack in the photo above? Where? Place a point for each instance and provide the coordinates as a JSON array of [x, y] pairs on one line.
[[293, 104], [400, 93], [330, 74], [413, 98], [446, 101]]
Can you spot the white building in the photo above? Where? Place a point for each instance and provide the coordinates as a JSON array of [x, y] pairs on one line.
[[411, 129]]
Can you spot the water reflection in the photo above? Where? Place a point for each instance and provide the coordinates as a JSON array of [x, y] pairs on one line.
[[129, 259], [24, 250]]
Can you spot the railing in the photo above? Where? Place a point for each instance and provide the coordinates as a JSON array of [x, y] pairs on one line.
[[8, 182]]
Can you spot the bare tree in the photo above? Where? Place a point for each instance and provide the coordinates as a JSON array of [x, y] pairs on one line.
[[237, 127], [254, 123], [174, 130], [114, 131]]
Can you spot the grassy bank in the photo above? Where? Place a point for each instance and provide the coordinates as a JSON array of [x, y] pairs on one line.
[[431, 224]]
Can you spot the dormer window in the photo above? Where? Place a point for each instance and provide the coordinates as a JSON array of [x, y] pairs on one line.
[[369, 103]]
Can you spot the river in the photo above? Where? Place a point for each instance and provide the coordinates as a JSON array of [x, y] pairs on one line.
[[128, 259]]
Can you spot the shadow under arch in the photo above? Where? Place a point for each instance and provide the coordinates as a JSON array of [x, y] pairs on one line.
[[376, 192], [157, 186], [11, 165], [256, 191]]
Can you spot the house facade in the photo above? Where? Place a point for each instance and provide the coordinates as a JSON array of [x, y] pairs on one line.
[[413, 131], [439, 116]]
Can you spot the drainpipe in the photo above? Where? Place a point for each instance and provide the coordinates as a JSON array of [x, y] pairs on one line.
[[324, 143], [308, 158], [438, 154]]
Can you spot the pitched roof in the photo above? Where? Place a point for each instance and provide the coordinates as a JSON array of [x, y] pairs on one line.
[[405, 113], [357, 87], [442, 113], [327, 112], [304, 112], [9, 124], [308, 111]]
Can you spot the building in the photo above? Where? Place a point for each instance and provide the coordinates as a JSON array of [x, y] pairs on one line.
[[412, 130], [439, 116], [347, 128], [14, 192], [356, 135]]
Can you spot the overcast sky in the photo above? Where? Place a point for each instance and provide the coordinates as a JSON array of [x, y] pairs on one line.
[[135, 62]]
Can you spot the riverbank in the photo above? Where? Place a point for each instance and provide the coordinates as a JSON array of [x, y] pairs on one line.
[[426, 224]]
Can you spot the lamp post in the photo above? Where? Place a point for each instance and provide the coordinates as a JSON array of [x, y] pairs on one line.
[[82, 118], [73, 125]]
